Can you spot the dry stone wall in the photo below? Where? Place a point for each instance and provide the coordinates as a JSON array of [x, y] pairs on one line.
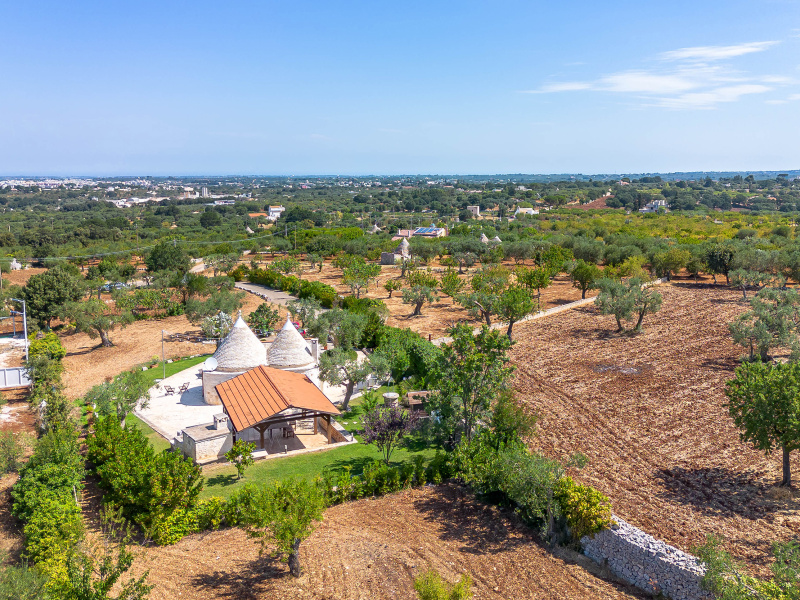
[[648, 563]]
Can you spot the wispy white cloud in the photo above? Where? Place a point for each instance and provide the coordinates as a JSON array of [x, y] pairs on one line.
[[688, 78], [714, 53]]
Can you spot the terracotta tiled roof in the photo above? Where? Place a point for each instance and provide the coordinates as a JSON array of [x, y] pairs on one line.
[[263, 392]]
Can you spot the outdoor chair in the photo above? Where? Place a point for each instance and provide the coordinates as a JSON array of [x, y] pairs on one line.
[[184, 387], [169, 390]]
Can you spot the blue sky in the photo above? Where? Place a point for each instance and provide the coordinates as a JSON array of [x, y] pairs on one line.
[[182, 88]]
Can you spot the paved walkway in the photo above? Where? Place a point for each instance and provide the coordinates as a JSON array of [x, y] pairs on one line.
[[270, 295]]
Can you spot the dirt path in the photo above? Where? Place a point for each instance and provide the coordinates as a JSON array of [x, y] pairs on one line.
[[372, 549]]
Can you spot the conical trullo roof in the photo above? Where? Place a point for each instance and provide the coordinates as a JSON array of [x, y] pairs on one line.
[[403, 248], [375, 229], [497, 239], [240, 350], [289, 349], [484, 239]]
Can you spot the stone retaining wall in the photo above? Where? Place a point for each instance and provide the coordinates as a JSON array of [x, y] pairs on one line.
[[647, 563]]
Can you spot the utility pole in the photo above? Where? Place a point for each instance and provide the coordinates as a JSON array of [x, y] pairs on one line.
[[24, 323]]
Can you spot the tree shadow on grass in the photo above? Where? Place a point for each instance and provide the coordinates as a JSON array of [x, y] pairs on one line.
[[722, 492], [246, 582], [222, 480], [480, 528]]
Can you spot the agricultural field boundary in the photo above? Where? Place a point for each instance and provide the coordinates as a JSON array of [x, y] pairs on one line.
[[649, 564]]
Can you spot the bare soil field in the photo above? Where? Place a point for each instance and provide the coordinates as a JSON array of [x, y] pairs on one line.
[[21, 276], [439, 316], [373, 549], [648, 411], [87, 363]]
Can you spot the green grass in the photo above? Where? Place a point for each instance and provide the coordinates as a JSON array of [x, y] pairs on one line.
[[221, 481], [156, 439], [178, 365]]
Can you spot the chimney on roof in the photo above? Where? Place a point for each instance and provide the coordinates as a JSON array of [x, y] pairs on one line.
[[221, 421], [314, 343]]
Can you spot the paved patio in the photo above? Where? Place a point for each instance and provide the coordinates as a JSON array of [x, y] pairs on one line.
[[170, 414]]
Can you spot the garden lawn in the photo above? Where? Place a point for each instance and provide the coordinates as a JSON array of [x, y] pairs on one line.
[[156, 440], [176, 366], [221, 479]]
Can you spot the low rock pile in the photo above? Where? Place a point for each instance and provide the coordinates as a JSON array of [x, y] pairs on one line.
[[647, 563]]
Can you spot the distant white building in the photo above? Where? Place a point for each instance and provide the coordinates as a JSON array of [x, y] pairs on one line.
[[475, 210], [521, 210], [654, 206], [275, 212]]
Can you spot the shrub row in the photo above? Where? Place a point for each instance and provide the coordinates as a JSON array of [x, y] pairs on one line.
[[322, 292], [153, 490], [45, 500], [534, 485]]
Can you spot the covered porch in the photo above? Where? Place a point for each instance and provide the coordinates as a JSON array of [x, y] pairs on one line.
[[280, 412]]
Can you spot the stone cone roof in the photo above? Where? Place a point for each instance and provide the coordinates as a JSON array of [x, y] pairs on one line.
[[375, 229], [484, 239], [240, 350], [289, 349], [497, 239], [403, 248]]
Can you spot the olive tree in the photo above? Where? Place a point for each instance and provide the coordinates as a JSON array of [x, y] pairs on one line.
[[771, 322], [97, 319], [421, 289], [627, 300], [764, 403]]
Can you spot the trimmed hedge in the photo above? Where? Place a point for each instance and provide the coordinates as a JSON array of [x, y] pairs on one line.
[[322, 292]]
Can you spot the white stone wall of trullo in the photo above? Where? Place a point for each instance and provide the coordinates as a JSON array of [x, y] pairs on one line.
[[648, 563]]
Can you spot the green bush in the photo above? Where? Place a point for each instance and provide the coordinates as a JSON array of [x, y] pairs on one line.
[[168, 529], [293, 285], [439, 469], [48, 346], [431, 586], [44, 482], [53, 528], [586, 510], [11, 449], [210, 513]]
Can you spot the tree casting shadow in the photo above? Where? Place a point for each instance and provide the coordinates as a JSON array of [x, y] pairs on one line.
[[248, 582]]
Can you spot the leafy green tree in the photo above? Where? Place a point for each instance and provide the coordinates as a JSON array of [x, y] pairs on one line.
[[487, 286], [771, 322], [764, 403], [469, 375], [96, 319], [46, 294], [317, 261], [515, 303], [584, 275], [719, 258], [534, 279], [342, 367], [670, 262], [421, 289], [223, 300], [627, 300], [216, 327], [167, 257], [23, 582], [359, 275], [344, 326], [511, 421], [121, 396], [282, 516], [263, 319], [210, 218], [744, 279], [305, 309], [451, 284], [287, 265], [465, 260], [392, 285], [241, 455]]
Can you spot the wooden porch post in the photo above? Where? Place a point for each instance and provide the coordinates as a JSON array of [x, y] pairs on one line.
[[328, 428]]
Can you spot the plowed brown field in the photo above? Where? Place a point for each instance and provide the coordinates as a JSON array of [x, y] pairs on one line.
[[649, 413], [373, 549]]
